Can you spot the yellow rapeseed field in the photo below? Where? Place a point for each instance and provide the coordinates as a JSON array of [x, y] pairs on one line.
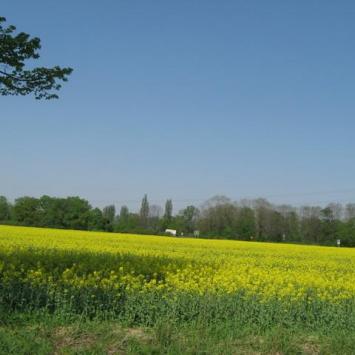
[[139, 263]]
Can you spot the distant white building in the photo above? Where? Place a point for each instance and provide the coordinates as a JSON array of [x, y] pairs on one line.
[[171, 231]]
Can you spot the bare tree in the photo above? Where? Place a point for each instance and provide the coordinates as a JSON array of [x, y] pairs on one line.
[[350, 211], [155, 211], [216, 201], [337, 210]]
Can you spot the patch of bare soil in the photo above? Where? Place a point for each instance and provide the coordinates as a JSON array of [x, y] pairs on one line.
[[311, 346], [120, 338], [66, 337]]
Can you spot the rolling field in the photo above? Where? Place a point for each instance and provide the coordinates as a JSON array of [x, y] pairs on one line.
[[147, 281]]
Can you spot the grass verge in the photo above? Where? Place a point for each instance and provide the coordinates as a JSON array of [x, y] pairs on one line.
[[40, 333]]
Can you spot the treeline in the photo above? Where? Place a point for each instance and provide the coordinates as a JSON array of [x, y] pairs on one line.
[[218, 217]]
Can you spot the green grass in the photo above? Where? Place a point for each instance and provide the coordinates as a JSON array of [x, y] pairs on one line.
[[147, 323], [36, 333]]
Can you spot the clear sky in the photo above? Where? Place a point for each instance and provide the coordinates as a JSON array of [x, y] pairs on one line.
[[186, 99]]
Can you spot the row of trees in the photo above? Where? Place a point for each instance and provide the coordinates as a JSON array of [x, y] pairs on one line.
[[77, 213], [260, 220], [219, 217]]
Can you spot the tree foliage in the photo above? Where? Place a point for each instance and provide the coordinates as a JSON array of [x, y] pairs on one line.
[[255, 220], [168, 213], [17, 78], [5, 209], [108, 214], [144, 211]]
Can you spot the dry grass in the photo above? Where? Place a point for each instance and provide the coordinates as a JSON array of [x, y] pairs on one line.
[[114, 340]]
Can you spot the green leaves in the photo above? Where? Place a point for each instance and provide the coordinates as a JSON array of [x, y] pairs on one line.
[[15, 79]]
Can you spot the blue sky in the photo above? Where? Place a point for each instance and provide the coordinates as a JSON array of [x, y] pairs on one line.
[[186, 99]]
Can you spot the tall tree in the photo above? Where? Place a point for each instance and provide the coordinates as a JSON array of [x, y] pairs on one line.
[[189, 217], [144, 211], [108, 214], [168, 213], [4, 209], [15, 77]]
